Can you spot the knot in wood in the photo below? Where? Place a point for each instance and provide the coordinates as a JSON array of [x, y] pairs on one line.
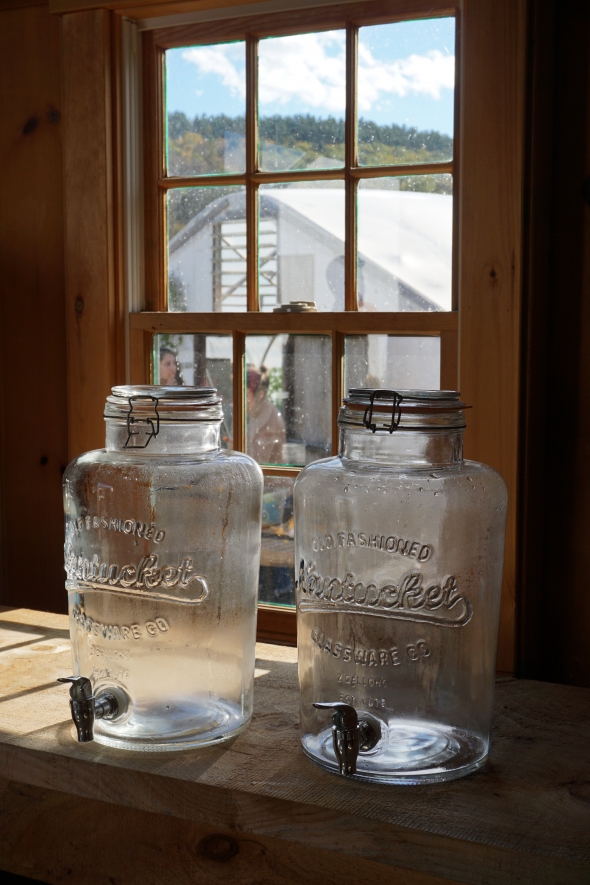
[[30, 125], [218, 847]]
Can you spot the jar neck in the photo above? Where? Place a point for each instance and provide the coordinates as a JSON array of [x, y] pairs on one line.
[[403, 448], [197, 439]]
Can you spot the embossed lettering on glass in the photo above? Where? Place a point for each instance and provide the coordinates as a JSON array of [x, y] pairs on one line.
[[398, 549], [161, 557]]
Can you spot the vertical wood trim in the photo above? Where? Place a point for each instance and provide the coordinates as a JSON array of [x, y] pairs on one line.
[[252, 262], [456, 167], [239, 348], [131, 165], [337, 383], [91, 319], [449, 360], [351, 159], [154, 226], [140, 356], [118, 167], [490, 264]]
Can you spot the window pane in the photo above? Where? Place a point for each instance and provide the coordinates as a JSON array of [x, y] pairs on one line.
[[276, 582], [301, 101], [302, 244], [401, 362], [207, 249], [205, 109], [288, 390], [405, 239], [406, 82], [199, 361]]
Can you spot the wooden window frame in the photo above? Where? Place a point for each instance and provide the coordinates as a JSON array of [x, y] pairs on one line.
[[275, 622], [489, 178]]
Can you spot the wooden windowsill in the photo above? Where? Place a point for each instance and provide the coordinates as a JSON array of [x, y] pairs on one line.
[[256, 811]]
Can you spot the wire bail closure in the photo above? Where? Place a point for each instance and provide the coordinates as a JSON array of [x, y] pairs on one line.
[[395, 410], [153, 421]]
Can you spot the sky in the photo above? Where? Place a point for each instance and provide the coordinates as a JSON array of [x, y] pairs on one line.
[[406, 75]]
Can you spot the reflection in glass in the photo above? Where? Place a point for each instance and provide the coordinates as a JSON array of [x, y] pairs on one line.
[[302, 244], [405, 242], [399, 362], [276, 582], [406, 82], [288, 384], [198, 361], [205, 109], [302, 97], [207, 249]]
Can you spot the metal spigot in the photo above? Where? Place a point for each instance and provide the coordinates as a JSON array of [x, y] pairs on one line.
[[86, 707], [350, 735]]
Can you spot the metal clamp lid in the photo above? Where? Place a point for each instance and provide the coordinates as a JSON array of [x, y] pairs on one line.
[[389, 410], [153, 421], [396, 414]]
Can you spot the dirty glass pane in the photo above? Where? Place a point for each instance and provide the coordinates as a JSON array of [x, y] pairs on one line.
[[197, 361], [405, 243], [288, 389], [205, 108], [302, 244], [301, 101], [401, 362], [406, 84], [207, 249], [276, 582]]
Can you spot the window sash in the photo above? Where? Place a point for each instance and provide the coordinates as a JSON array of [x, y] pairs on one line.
[[276, 623]]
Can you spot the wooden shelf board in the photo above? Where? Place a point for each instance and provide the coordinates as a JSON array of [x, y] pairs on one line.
[[524, 818]]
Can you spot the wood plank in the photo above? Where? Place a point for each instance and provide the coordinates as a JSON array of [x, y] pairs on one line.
[[33, 400], [277, 625], [130, 8], [91, 310], [490, 264], [449, 360], [347, 322], [525, 818], [290, 21], [106, 844], [145, 9], [154, 170], [21, 4]]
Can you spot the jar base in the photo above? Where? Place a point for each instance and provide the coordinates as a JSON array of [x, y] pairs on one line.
[[411, 752], [197, 725]]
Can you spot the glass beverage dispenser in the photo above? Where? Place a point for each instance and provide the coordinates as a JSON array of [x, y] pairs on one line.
[[399, 546], [161, 554]]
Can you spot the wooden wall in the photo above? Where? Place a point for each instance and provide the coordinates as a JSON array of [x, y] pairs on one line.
[[33, 410]]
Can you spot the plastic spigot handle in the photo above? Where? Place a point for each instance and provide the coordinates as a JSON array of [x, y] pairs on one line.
[[81, 687], [82, 706], [345, 735]]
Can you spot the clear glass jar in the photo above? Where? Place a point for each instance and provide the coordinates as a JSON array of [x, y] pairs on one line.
[[399, 544], [162, 554]]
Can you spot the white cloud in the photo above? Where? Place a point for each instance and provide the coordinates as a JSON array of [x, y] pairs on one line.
[[419, 74], [218, 60], [307, 68], [310, 69]]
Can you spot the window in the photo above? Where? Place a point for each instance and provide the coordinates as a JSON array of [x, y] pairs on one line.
[[300, 230]]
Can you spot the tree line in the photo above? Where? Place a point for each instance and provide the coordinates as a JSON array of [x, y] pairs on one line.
[[318, 133]]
